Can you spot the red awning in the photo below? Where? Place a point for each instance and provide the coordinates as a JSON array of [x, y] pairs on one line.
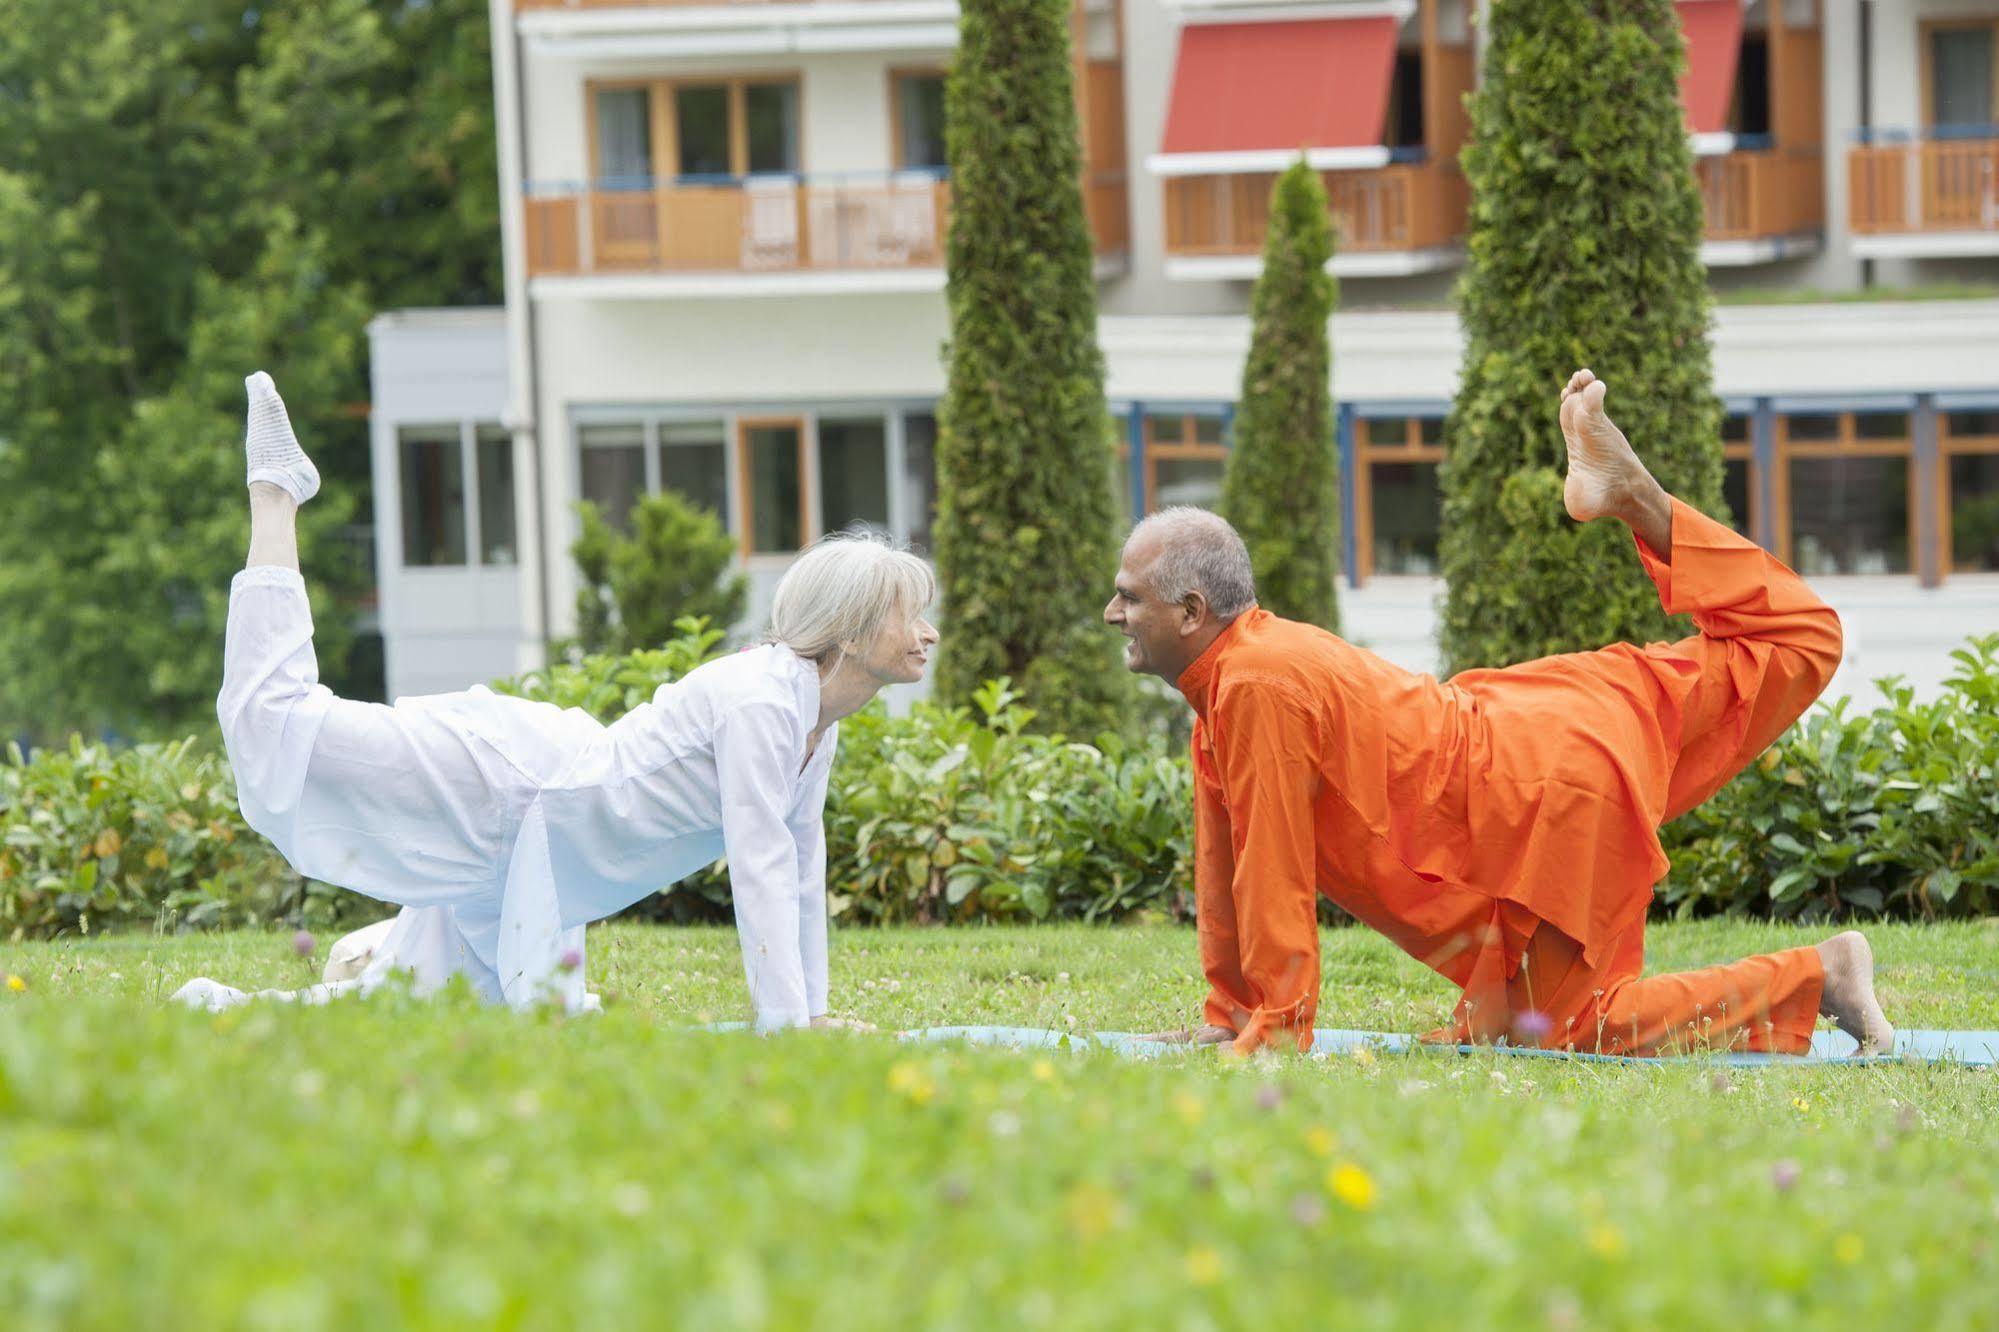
[[1281, 86], [1713, 30]]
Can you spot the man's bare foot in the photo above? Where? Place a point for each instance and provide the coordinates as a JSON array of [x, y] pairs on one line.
[[1605, 479], [1848, 997], [1208, 1035]]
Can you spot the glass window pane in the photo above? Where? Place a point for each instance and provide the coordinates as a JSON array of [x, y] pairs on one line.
[[1408, 512], [1165, 429], [624, 139], [701, 118], [920, 113], [853, 473], [1735, 428], [1123, 484], [919, 475], [1735, 490], [1961, 76], [775, 488], [614, 470], [433, 496], [1973, 425], [1881, 425], [1207, 430], [771, 110], [1850, 515], [1430, 430], [496, 496], [1196, 481], [1818, 428], [1974, 512], [694, 464], [1388, 431]]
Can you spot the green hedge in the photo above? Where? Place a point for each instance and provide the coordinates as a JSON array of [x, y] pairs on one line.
[[1891, 812], [968, 813]]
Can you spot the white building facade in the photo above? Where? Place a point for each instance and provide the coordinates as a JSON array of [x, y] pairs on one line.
[[723, 232]]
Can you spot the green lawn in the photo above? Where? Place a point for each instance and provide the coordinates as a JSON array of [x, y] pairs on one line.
[[394, 1163]]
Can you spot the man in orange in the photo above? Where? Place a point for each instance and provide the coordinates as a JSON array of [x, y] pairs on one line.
[[1502, 828]]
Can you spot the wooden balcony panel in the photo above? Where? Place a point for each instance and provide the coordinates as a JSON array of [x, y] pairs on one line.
[[1759, 194], [1392, 208], [1936, 185]]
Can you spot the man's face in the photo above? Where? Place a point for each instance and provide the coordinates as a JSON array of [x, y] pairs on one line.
[[1155, 630]]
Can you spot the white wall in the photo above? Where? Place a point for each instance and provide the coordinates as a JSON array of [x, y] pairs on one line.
[[442, 628]]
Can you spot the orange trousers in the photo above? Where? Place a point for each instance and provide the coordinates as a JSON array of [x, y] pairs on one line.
[[1555, 1001]]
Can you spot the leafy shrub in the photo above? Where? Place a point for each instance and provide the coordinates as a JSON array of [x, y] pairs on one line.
[[608, 685], [97, 837], [1891, 812], [634, 590]]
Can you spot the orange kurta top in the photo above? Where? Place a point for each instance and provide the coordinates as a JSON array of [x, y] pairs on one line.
[[1456, 817]]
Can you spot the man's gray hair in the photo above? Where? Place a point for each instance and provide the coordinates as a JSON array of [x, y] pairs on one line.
[[837, 594], [1200, 552]]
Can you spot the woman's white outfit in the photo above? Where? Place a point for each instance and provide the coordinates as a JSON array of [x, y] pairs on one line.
[[502, 826]]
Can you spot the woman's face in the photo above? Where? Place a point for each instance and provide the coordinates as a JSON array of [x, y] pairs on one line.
[[901, 649]]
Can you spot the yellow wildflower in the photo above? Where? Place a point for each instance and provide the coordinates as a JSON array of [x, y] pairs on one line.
[[1849, 1248], [1801, 1105], [1351, 1185], [16, 984], [1607, 1242], [1321, 1140], [1189, 1108], [1093, 1209], [1204, 1265], [1043, 1071], [907, 1079], [1363, 1056]]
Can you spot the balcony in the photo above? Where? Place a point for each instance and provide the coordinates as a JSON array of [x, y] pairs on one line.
[[1934, 198], [1762, 204], [1391, 221], [775, 235]]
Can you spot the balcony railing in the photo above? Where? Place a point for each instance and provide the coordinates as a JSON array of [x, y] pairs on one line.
[[763, 224], [1759, 194], [1936, 185], [1412, 206], [636, 4]]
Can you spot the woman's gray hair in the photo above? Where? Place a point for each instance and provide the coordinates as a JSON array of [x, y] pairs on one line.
[[840, 590], [1199, 552]]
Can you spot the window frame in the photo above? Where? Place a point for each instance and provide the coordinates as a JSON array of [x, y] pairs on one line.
[[665, 127], [1950, 446], [1926, 29], [467, 429], [1847, 444], [1367, 453], [897, 146]]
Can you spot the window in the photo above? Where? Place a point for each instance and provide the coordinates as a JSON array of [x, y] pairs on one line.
[[1184, 457], [496, 496], [614, 470], [919, 475], [1970, 500], [694, 464], [1960, 59], [433, 498], [1405, 102], [693, 132], [1844, 487], [919, 122], [624, 138], [1398, 504], [853, 473], [1738, 485], [774, 476]]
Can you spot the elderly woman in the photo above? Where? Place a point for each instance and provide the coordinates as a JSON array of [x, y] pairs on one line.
[[502, 826]]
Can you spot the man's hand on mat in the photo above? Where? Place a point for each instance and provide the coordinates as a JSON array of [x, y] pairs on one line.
[[824, 1023], [1208, 1035]]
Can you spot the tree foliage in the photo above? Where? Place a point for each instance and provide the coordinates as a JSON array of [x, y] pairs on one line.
[[1584, 250], [1281, 488], [191, 190], [677, 562], [1025, 536]]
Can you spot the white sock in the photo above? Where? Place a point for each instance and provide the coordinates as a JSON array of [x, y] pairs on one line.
[[273, 450]]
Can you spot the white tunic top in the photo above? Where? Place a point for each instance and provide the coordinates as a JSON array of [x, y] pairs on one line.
[[504, 825]]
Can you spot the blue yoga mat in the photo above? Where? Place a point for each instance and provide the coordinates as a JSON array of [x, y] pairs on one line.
[[1979, 1049]]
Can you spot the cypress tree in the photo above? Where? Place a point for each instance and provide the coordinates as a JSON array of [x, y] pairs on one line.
[[1584, 250], [1025, 539], [1282, 486]]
